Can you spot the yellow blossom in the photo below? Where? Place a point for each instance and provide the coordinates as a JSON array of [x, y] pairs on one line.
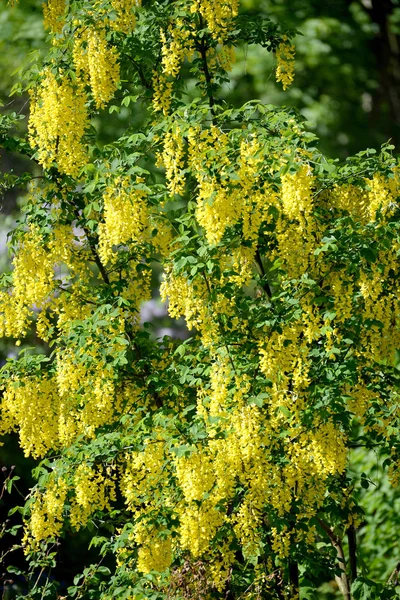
[[57, 124], [126, 217], [285, 64], [53, 11], [97, 61]]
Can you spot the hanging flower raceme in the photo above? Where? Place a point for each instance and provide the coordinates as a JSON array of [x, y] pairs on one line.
[[126, 216], [218, 15], [172, 159], [53, 12], [285, 64], [57, 123], [31, 404], [125, 20], [176, 45], [97, 62], [31, 286]]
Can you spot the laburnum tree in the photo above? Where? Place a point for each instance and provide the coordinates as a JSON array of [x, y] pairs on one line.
[[221, 466]]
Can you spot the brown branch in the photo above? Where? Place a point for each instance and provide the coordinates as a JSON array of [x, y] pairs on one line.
[[92, 245], [294, 577], [202, 48], [394, 577], [352, 541], [98, 262], [342, 580], [266, 287], [139, 71]]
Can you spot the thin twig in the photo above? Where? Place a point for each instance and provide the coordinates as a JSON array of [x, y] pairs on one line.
[[265, 285]]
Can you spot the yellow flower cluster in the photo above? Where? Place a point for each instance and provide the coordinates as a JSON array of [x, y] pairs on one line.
[[217, 209], [91, 489], [94, 490], [224, 201], [359, 400], [47, 513], [380, 343], [144, 484], [57, 123], [97, 62], [162, 92], [163, 238], [380, 195], [87, 397], [177, 44], [71, 306], [33, 286], [285, 64], [155, 548], [195, 475], [296, 232], [14, 316], [327, 449], [240, 265], [33, 270], [136, 291], [280, 541], [283, 358], [125, 20], [143, 471], [173, 160], [226, 57], [184, 299], [218, 15], [126, 217], [32, 405], [350, 198], [85, 380], [296, 194], [342, 292], [50, 412], [219, 567], [191, 301], [176, 48], [199, 522], [247, 527], [53, 11], [33, 282]]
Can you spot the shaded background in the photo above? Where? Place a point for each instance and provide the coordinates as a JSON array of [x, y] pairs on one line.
[[347, 86]]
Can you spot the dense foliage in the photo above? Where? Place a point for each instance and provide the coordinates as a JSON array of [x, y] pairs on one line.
[[226, 465]]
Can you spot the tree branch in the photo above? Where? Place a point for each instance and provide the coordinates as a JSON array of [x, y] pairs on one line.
[[294, 577], [142, 78], [201, 46], [266, 287], [342, 580], [352, 541], [92, 245], [394, 577]]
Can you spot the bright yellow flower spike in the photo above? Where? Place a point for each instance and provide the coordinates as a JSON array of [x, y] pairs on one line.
[[53, 11], [57, 124], [97, 62], [285, 64]]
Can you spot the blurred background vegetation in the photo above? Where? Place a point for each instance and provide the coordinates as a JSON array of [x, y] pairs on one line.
[[347, 87]]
